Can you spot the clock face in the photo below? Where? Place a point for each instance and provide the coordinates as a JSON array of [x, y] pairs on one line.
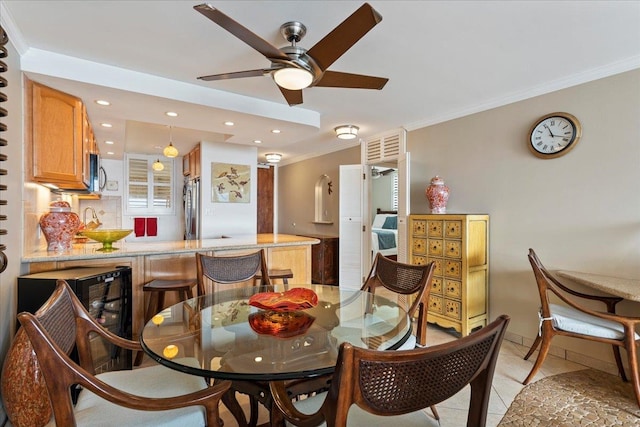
[[554, 135]]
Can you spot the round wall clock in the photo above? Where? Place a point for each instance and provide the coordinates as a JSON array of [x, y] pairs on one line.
[[554, 135]]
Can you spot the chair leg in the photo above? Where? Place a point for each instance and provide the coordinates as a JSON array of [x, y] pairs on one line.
[[435, 413], [544, 349], [616, 355], [535, 345], [632, 353]]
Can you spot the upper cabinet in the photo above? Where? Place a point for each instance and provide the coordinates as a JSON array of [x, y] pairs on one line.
[[60, 138], [191, 163]]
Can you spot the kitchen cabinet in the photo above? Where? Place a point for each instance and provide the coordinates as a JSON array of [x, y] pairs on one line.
[[191, 163], [60, 138], [459, 247]]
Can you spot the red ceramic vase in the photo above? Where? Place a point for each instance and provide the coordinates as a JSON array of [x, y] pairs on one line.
[[437, 194], [59, 226]]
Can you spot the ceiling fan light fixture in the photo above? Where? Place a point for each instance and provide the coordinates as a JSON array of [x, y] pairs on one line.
[[273, 157], [157, 166], [346, 131], [293, 78], [170, 151]]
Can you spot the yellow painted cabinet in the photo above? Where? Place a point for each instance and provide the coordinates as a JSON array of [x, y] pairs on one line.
[[459, 247]]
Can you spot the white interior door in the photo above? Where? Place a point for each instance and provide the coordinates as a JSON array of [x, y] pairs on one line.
[[351, 226], [403, 205]]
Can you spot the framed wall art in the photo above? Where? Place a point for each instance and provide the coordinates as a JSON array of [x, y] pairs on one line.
[[230, 183]]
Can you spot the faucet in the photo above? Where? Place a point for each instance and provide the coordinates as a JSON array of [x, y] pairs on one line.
[[95, 222]]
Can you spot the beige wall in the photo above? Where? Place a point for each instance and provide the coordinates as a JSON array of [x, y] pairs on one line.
[[296, 192], [578, 212]]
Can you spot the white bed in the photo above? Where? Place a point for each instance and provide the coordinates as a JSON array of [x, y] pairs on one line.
[[377, 225]]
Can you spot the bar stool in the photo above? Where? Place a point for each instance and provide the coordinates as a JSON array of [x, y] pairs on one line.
[[158, 287], [284, 274]]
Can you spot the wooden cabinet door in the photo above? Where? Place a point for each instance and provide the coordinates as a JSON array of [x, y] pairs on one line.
[[55, 127]]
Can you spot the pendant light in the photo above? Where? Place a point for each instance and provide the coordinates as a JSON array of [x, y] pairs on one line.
[[170, 151], [157, 166]]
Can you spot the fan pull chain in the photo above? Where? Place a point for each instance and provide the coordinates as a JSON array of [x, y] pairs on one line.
[[4, 39]]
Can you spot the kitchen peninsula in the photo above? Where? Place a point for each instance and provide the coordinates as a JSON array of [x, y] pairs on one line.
[[176, 259]]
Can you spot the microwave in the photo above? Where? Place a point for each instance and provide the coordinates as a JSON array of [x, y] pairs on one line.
[[96, 181]]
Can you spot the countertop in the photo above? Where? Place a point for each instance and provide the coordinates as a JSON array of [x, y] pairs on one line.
[[90, 250], [624, 288]]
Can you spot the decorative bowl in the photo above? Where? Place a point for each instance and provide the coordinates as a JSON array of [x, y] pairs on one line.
[[291, 300], [106, 237]]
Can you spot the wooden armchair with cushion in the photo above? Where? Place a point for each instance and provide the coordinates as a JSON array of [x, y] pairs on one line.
[[577, 321], [372, 388], [410, 282], [150, 396]]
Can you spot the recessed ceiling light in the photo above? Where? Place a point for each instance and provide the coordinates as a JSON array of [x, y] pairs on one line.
[[171, 114], [257, 141], [106, 125], [109, 142], [102, 102], [275, 131], [229, 123], [111, 153]]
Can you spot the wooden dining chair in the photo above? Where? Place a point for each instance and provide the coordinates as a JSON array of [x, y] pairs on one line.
[[575, 320], [150, 396], [409, 282], [372, 388], [231, 270]]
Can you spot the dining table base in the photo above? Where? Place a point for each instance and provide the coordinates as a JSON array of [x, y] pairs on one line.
[[259, 392]]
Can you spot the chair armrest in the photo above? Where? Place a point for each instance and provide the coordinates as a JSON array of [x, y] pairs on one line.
[[283, 403], [609, 301]]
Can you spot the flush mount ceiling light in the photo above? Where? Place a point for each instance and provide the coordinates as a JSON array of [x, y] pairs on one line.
[[293, 78], [157, 166], [170, 150], [273, 157], [347, 131]]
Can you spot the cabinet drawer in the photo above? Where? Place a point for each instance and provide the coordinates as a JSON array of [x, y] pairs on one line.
[[419, 227], [453, 229], [435, 304], [453, 269], [453, 288], [419, 260], [436, 286], [419, 246], [452, 309], [453, 248], [437, 266], [435, 228], [435, 247]]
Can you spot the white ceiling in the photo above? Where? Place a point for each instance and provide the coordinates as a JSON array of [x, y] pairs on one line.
[[444, 59]]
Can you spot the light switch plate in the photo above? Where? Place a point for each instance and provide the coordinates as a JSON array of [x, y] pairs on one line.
[[112, 185]]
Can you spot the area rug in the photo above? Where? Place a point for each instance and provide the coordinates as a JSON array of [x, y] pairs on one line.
[[580, 398]]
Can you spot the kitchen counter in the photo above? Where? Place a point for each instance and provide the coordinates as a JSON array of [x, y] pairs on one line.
[[171, 260], [90, 250]]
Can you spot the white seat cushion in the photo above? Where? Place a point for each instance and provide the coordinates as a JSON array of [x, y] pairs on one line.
[[359, 417], [154, 381], [569, 319]]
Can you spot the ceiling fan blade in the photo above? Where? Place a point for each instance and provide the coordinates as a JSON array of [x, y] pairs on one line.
[[354, 81], [345, 35], [244, 34], [237, 74], [293, 97]]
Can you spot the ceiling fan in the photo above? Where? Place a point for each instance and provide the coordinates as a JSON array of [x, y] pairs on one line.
[[377, 172], [294, 68]]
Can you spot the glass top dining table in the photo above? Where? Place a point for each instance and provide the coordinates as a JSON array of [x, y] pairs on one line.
[[222, 336]]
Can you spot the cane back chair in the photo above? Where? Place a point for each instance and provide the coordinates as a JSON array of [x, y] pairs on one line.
[[230, 270], [150, 396], [393, 387]]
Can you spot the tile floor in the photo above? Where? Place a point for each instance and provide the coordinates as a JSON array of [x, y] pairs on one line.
[[507, 383]]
